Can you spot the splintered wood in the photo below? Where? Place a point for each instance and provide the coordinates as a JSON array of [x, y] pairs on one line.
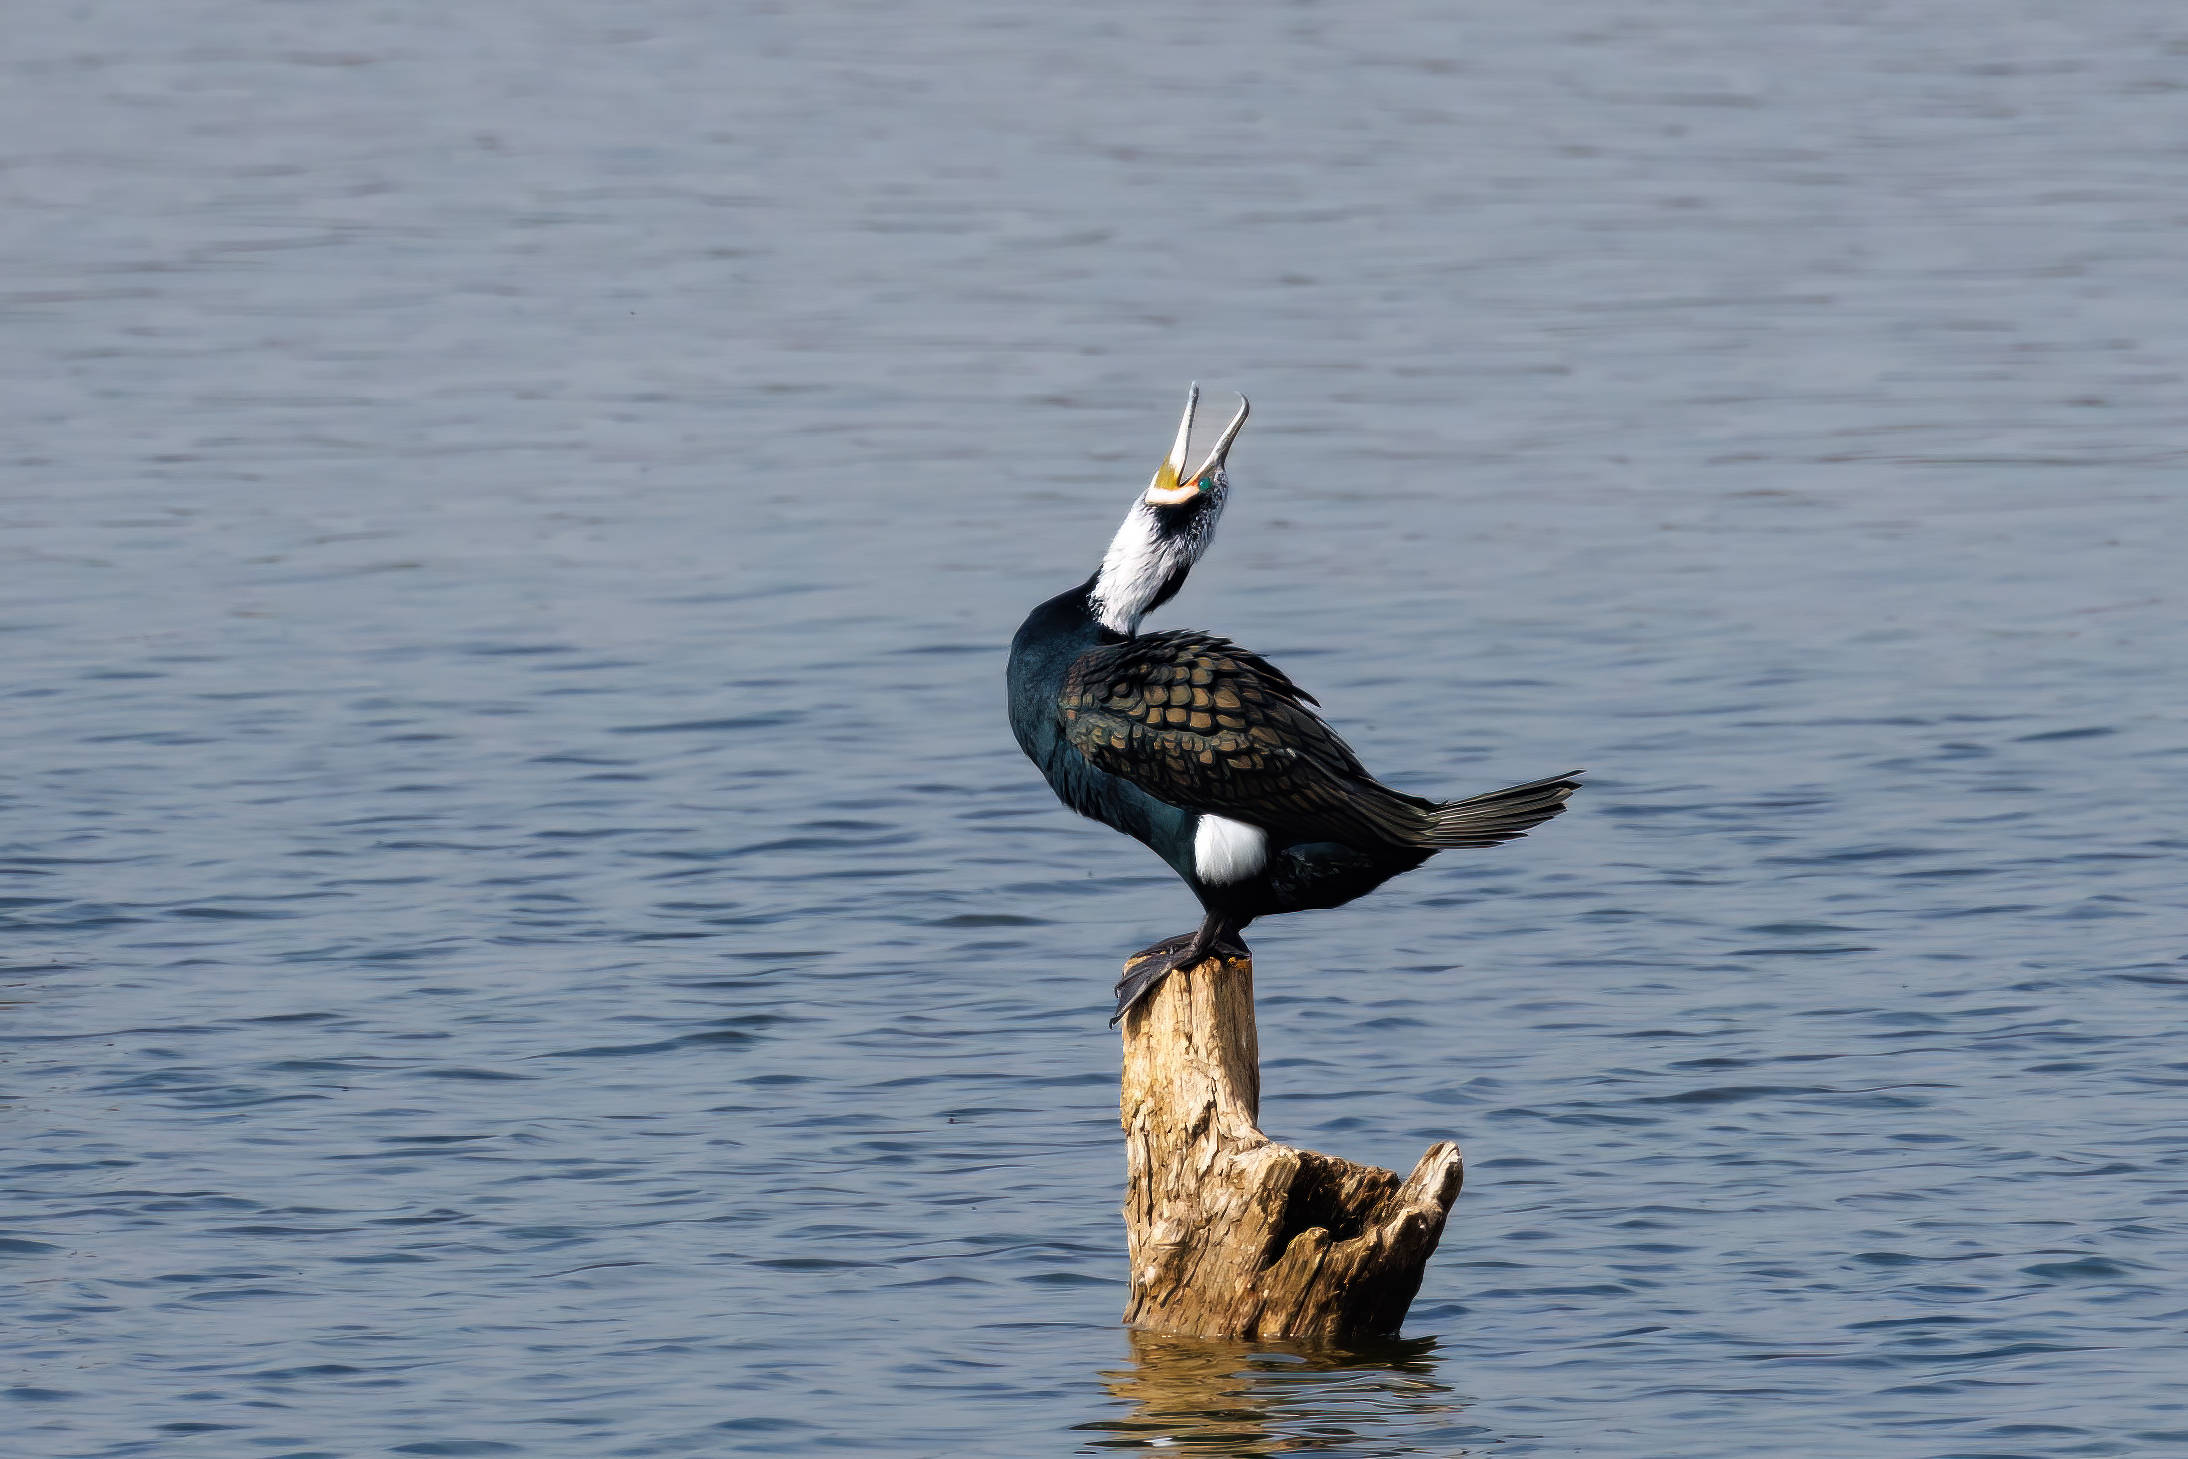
[[1231, 1234]]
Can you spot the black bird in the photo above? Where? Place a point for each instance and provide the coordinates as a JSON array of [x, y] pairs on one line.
[[1208, 753]]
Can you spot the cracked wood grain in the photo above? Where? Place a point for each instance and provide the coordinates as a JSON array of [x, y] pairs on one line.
[[1232, 1234]]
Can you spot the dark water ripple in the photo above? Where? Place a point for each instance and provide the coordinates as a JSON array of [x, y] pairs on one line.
[[524, 932]]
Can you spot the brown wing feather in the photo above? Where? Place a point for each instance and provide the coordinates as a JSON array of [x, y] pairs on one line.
[[1197, 721]]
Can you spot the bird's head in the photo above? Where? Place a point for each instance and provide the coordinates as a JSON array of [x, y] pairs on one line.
[[1168, 529]]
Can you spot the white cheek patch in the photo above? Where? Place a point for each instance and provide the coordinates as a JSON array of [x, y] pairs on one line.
[[1225, 851]]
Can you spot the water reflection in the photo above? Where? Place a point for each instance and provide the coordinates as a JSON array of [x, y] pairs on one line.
[[1199, 1396]]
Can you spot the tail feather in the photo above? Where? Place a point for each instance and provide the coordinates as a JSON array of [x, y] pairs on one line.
[[1500, 815]]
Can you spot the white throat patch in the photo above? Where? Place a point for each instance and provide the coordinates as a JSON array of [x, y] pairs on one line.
[[1225, 850], [1139, 561]]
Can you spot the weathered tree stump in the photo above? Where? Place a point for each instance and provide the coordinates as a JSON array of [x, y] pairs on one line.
[[1231, 1234]]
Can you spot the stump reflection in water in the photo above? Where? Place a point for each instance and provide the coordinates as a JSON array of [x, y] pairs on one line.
[[1198, 1395]]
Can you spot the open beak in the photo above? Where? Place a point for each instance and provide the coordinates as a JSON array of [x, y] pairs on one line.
[[1171, 485]]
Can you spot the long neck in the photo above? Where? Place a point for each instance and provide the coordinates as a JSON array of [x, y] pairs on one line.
[[1145, 566], [1052, 636]]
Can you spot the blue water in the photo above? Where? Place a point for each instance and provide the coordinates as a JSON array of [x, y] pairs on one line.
[[526, 932]]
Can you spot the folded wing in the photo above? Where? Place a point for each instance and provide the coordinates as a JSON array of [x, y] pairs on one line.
[[1197, 721]]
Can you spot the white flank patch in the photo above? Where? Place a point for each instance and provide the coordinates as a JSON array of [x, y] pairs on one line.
[[1225, 851]]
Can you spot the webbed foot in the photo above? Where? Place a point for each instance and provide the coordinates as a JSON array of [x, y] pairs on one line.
[[1145, 969]]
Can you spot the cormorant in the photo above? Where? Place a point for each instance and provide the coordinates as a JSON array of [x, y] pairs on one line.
[[1208, 753]]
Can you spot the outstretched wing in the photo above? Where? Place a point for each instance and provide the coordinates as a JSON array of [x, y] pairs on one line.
[[1197, 721]]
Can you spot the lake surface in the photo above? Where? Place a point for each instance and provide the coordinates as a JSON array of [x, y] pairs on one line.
[[526, 932]]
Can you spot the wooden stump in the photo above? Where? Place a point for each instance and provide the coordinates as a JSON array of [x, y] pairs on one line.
[[1231, 1234]]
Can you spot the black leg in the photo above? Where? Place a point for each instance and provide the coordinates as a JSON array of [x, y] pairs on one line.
[[1147, 968]]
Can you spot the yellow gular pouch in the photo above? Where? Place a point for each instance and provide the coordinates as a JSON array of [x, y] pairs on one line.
[[1165, 491]]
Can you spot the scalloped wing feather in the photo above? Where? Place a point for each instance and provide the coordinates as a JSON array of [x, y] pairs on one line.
[[1197, 721]]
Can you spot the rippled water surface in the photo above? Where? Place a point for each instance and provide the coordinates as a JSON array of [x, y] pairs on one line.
[[525, 929]]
